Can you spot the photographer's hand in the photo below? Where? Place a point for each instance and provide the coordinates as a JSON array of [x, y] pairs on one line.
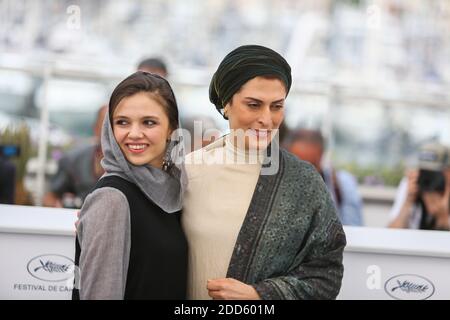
[[402, 220], [413, 187], [443, 214]]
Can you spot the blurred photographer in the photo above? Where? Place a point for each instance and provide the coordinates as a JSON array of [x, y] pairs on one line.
[[423, 196], [309, 145], [78, 172], [7, 173]]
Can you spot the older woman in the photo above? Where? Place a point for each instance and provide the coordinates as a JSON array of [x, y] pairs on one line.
[[260, 223]]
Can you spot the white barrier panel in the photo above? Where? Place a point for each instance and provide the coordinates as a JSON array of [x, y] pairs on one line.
[[37, 252], [396, 264], [37, 247]]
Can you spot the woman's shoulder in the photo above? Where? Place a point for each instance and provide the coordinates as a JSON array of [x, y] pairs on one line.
[[105, 197], [297, 167], [300, 176], [109, 192], [304, 183], [105, 192], [197, 161], [102, 206], [199, 156]]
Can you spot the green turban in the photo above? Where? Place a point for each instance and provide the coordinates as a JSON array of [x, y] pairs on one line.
[[243, 64]]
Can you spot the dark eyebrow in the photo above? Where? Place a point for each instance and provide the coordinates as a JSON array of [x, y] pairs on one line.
[[150, 117], [143, 118], [121, 117], [260, 101], [254, 99]]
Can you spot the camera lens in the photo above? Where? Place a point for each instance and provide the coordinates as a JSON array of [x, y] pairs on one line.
[[431, 181]]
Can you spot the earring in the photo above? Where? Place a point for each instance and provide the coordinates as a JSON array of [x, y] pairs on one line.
[[167, 160], [225, 111]]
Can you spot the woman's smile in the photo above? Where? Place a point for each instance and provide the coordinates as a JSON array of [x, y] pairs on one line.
[[137, 148], [260, 133]]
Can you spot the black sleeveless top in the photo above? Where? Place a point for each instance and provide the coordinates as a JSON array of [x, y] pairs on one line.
[[158, 257]]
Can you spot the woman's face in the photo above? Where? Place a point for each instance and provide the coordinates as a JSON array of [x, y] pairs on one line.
[[141, 128], [258, 109]]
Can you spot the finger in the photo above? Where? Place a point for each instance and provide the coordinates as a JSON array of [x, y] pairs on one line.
[[216, 294], [412, 173], [216, 284], [447, 190]]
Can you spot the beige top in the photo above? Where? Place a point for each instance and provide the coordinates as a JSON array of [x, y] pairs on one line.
[[222, 180]]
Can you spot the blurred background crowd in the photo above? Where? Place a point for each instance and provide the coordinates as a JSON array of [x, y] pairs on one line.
[[369, 106]]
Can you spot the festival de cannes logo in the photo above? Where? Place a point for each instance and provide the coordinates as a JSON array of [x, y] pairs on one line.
[[51, 267], [409, 287]]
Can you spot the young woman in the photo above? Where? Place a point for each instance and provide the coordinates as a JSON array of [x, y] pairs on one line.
[[264, 229], [130, 244]]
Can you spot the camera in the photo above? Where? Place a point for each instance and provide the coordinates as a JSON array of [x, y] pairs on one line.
[[9, 151], [433, 158], [431, 181]]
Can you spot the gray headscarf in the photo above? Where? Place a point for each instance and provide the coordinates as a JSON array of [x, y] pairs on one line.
[[163, 188]]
